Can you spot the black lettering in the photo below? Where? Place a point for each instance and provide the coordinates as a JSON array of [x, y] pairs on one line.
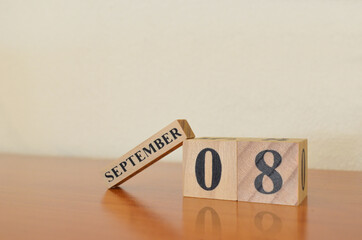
[[130, 159], [174, 132], [139, 156], [109, 175], [159, 143], [166, 139], [268, 172], [123, 166], [149, 150], [116, 172], [200, 169]]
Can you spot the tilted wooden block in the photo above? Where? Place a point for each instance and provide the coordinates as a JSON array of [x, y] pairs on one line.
[[263, 170], [148, 152]]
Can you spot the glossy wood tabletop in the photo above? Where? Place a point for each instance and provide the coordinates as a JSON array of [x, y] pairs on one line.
[[64, 198]]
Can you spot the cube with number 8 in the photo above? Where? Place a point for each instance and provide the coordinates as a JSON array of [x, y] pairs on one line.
[[246, 169], [272, 170]]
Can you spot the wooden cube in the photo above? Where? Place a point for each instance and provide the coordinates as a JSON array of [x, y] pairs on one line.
[[272, 170], [246, 169], [209, 167]]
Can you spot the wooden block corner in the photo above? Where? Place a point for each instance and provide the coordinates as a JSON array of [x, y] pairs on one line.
[[186, 128]]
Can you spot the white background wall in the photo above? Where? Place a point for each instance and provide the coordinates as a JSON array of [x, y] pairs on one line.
[[95, 78]]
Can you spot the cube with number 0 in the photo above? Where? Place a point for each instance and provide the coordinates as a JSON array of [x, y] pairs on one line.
[[210, 169], [246, 169]]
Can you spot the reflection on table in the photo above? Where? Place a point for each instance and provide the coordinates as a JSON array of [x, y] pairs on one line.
[[215, 219]]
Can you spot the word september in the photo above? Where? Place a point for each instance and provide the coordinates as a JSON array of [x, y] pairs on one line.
[[143, 154], [148, 152]]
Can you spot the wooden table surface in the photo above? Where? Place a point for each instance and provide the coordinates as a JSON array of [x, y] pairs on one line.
[[64, 198]]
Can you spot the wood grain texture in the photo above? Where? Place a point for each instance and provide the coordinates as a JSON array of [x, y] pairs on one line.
[[147, 153], [61, 198], [227, 187], [289, 171]]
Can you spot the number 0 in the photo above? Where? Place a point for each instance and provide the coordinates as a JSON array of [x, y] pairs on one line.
[[200, 169]]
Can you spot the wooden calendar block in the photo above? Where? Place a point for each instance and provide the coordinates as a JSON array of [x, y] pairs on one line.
[[209, 168], [148, 152], [272, 170]]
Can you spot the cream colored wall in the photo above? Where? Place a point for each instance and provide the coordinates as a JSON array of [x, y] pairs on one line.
[[94, 78]]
